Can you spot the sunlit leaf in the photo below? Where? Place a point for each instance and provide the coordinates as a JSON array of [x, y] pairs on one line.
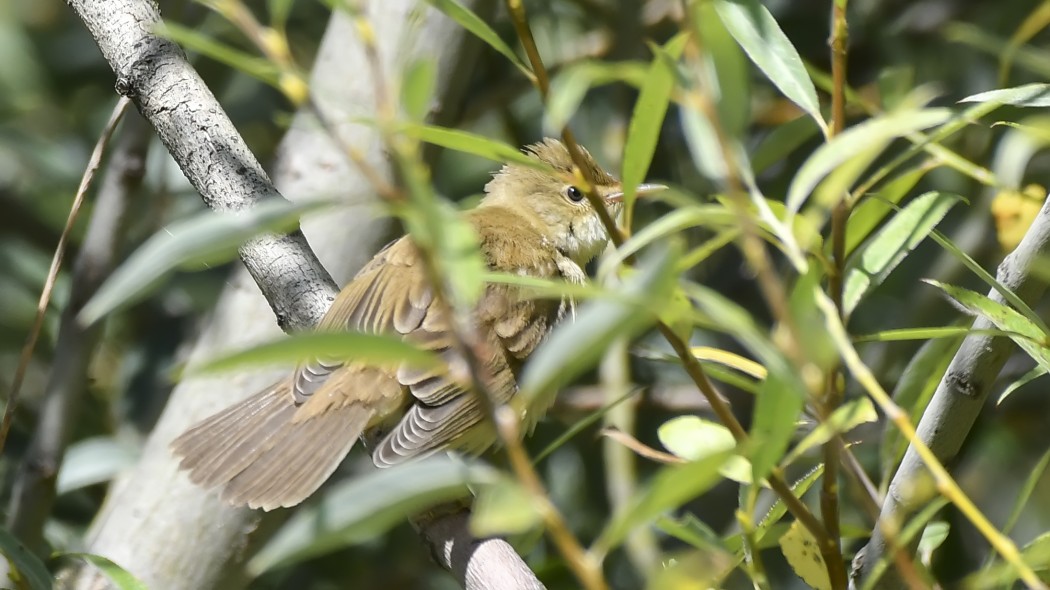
[[570, 86], [417, 88], [207, 236], [731, 69], [26, 568], [870, 266], [1029, 95], [252, 65], [648, 116], [779, 509], [693, 438], [367, 506], [669, 488], [1023, 332], [866, 216], [843, 419], [472, 143], [802, 552], [778, 405], [122, 579], [480, 29], [758, 33], [871, 135]]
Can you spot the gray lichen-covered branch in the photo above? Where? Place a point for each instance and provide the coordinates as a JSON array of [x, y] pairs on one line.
[[168, 532], [960, 395]]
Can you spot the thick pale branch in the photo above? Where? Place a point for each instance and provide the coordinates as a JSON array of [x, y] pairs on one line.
[[165, 530], [960, 396]]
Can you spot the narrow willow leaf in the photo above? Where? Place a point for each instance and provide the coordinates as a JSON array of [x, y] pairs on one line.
[[913, 529], [669, 488], [991, 281], [648, 116], [572, 83], [377, 349], [802, 553], [256, 67], [575, 346], [866, 216], [758, 33], [845, 418], [1036, 372], [778, 405], [1023, 332], [1026, 492], [870, 266], [417, 88], [122, 579], [692, 438], [731, 69], [1029, 95], [27, 571], [872, 134], [778, 510], [690, 529], [922, 334], [367, 506], [503, 508], [480, 29], [781, 142], [678, 220], [94, 460], [472, 143], [207, 236]]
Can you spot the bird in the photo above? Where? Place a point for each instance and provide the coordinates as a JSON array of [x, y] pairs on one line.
[[277, 447]]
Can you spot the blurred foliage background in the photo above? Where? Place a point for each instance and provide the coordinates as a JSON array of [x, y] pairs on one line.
[[56, 93]]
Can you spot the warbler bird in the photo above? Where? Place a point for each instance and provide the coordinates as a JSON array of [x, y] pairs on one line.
[[277, 447]]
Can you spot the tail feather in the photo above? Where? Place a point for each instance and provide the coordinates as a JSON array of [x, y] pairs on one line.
[[261, 457]]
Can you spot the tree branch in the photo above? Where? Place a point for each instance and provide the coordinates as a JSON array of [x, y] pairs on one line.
[[959, 398], [155, 523]]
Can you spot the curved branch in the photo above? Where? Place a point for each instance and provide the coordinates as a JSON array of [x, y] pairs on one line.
[[155, 523], [959, 397]]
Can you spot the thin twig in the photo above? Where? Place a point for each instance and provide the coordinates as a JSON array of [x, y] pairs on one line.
[[834, 378], [56, 264]]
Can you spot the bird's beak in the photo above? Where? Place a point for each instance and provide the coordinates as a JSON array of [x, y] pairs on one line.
[[642, 190]]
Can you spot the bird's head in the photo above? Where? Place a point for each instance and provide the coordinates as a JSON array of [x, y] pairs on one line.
[[554, 203]]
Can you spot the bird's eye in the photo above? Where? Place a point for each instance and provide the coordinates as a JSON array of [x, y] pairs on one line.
[[575, 194]]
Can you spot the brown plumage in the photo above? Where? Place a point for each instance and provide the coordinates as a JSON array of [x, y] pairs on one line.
[[278, 446]]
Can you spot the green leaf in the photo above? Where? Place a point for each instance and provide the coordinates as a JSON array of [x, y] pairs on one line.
[[94, 460], [1036, 372], [870, 136], [207, 236], [417, 88], [27, 571], [758, 33], [648, 116], [671, 487], [866, 216], [367, 506], [377, 349], [693, 438], [575, 346], [256, 67], [778, 405], [778, 510], [845, 418], [279, 11], [480, 29], [690, 529], [472, 143], [924, 334], [802, 552], [678, 220], [1026, 492], [1029, 95], [503, 508], [1030, 337], [870, 266], [122, 579], [781, 142], [730, 67], [571, 84]]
